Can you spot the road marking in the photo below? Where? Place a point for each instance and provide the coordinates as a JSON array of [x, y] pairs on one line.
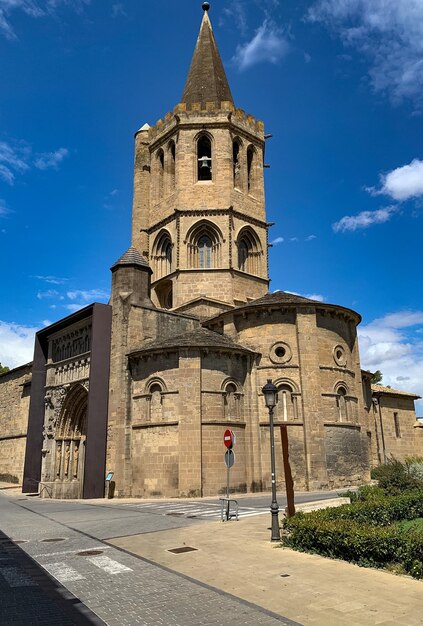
[[15, 577], [63, 573], [47, 555], [109, 565]]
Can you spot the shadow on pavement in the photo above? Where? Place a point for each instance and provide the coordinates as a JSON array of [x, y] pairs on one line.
[[29, 595]]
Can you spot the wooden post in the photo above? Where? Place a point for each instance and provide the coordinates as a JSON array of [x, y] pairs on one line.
[[289, 483]]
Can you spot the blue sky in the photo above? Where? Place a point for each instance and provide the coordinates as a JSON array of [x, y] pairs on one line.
[[339, 84]]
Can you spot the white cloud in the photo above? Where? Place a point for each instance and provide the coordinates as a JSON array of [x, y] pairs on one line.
[[16, 344], [293, 239], [392, 345], [276, 241], [32, 8], [53, 280], [89, 295], [269, 44], [402, 183], [118, 10], [13, 160], [16, 158], [4, 209], [236, 11], [50, 293], [74, 307], [364, 219], [310, 296], [310, 238], [388, 32], [48, 160]]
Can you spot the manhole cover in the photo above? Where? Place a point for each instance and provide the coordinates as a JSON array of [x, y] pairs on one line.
[[53, 540], [175, 514], [90, 552], [285, 575], [18, 541], [183, 549]]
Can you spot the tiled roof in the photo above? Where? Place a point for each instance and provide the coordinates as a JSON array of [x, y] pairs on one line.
[[393, 392], [281, 297], [198, 338], [206, 80], [131, 257]]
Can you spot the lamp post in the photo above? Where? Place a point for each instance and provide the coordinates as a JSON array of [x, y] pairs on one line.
[[270, 393]]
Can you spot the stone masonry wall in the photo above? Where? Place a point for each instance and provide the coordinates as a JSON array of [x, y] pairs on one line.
[[14, 407]]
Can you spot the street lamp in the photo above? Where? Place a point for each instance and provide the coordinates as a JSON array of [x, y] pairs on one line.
[[270, 392]]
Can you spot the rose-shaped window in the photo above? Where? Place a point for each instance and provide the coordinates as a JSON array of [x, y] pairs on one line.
[[280, 353], [340, 355]]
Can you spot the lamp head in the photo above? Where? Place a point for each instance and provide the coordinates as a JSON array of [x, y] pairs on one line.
[[270, 393]]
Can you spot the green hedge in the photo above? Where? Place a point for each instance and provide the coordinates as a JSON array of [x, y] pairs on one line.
[[363, 533], [379, 511]]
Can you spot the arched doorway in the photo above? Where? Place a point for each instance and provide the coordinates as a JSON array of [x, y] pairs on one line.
[[70, 442]]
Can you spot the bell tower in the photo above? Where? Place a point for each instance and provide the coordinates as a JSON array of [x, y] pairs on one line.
[[199, 210]]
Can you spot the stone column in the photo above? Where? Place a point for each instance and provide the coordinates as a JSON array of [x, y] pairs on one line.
[[190, 452]]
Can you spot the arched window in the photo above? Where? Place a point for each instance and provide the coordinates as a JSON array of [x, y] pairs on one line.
[[204, 244], [287, 409], [171, 165], [232, 401], [160, 174], [164, 292], [251, 169], [156, 409], [249, 252], [162, 255], [342, 404], [205, 252], [204, 158], [236, 164]]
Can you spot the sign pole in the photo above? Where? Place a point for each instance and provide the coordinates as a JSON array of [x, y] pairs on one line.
[[227, 492]]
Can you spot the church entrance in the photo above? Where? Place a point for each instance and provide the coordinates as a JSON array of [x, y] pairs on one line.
[[70, 444]]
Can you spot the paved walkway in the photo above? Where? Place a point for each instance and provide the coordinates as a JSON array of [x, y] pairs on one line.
[[120, 588], [238, 557]]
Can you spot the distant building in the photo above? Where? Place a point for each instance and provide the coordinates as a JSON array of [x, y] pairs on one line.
[[146, 385]]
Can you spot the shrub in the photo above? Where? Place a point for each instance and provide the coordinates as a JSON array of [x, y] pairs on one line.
[[355, 542], [364, 532], [395, 477]]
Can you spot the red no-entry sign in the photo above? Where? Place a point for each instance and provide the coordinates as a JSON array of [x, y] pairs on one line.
[[228, 439]]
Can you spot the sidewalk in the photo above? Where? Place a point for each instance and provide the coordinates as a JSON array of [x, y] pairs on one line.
[[237, 557]]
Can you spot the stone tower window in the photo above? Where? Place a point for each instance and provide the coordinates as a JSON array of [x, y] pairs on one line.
[[162, 255], [204, 243], [236, 164], [249, 252], [160, 174], [171, 164], [204, 158], [205, 252], [251, 169]]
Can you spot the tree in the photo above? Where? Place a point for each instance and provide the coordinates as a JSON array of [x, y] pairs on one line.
[[4, 369], [377, 377]]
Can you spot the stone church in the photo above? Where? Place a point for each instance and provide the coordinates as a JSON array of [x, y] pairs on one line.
[[145, 386]]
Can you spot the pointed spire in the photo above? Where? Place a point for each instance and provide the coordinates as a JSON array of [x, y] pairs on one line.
[[206, 80]]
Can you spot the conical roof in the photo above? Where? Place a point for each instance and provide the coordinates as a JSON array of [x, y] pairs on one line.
[[206, 80], [131, 257]]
